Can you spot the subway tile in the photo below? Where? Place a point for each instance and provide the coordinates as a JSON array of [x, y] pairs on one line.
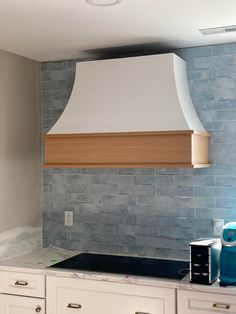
[[84, 236], [226, 115], [225, 210], [220, 82], [205, 233], [183, 222], [84, 198], [155, 220], [70, 84], [54, 104], [224, 49], [226, 202], [197, 180], [201, 75], [225, 70], [75, 188], [155, 242], [118, 239], [216, 191], [157, 201], [224, 137], [117, 179], [136, 171], [47, 188], [100, 188], [100, 248], [219, 169], [118, 209], [136, 251], [132, 189], [182, 244], [226, 180], [71, 64], [145, 200], [216, 105], [84, 179], [85, 217], [136, 230], [213, 61], [115, 219], [66, 171], [100, 171], [190, 53], [183, 171], [55, 230], [53, 215], [54, 85], [54, 197], [55, 94], [111, 200], [193, 202], [165, 190], [160, 179], [57, 75], [88, 208], [53, 66], [172, 254], [184, 191]]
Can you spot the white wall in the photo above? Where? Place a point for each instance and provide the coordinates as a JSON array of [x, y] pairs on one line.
[[20, 182]]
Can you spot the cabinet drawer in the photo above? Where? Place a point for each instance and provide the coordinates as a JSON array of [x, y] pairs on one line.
[[66, 296], [22, 284], [11, 304], [190, 302]]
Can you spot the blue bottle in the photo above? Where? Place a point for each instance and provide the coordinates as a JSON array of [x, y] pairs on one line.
[[228, 255]]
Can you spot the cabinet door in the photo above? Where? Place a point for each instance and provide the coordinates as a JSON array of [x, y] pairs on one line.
[[66, 296], [196, 302], [10, 304]]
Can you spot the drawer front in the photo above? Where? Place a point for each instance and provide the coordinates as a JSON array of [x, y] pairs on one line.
[[87, 296], [88, 302], [11, 304], [22, 284], [196, 302]]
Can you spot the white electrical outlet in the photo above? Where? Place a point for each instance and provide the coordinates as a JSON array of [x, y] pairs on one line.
[[69, 218], [218, 225]]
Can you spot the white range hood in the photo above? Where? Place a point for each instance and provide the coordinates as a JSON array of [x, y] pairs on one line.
[[147, 93], [129, 112]]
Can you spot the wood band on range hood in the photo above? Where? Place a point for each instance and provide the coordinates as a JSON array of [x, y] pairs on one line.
[[182, 149]]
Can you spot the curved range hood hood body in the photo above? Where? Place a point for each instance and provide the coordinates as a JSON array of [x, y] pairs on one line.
[[129, 112]]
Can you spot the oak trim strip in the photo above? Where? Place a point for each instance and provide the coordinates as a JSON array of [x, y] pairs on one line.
[[182, 149]]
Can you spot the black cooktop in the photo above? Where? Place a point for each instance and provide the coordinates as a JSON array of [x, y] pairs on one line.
[[149, 267]]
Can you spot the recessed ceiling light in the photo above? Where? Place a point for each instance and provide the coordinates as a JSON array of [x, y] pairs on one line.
[[104, 3], [218, 30]]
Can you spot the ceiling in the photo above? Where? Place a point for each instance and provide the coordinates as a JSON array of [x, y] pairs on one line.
[[46, 30]]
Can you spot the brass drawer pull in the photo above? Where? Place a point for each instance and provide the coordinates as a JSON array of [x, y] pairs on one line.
[[221, 306], [38, 309], [74, 306], [21, 283]]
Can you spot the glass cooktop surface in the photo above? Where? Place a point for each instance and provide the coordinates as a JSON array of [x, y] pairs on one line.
[[148, 267]]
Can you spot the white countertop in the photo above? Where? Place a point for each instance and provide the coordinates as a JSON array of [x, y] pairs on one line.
[[38, 262]]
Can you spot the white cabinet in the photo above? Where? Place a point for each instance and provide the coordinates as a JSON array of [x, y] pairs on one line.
[[196, 302], [22, 293], [18, 283], [10, 304], [68, 295]]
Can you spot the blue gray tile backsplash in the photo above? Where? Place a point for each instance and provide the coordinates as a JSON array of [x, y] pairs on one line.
[[147, 212]]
